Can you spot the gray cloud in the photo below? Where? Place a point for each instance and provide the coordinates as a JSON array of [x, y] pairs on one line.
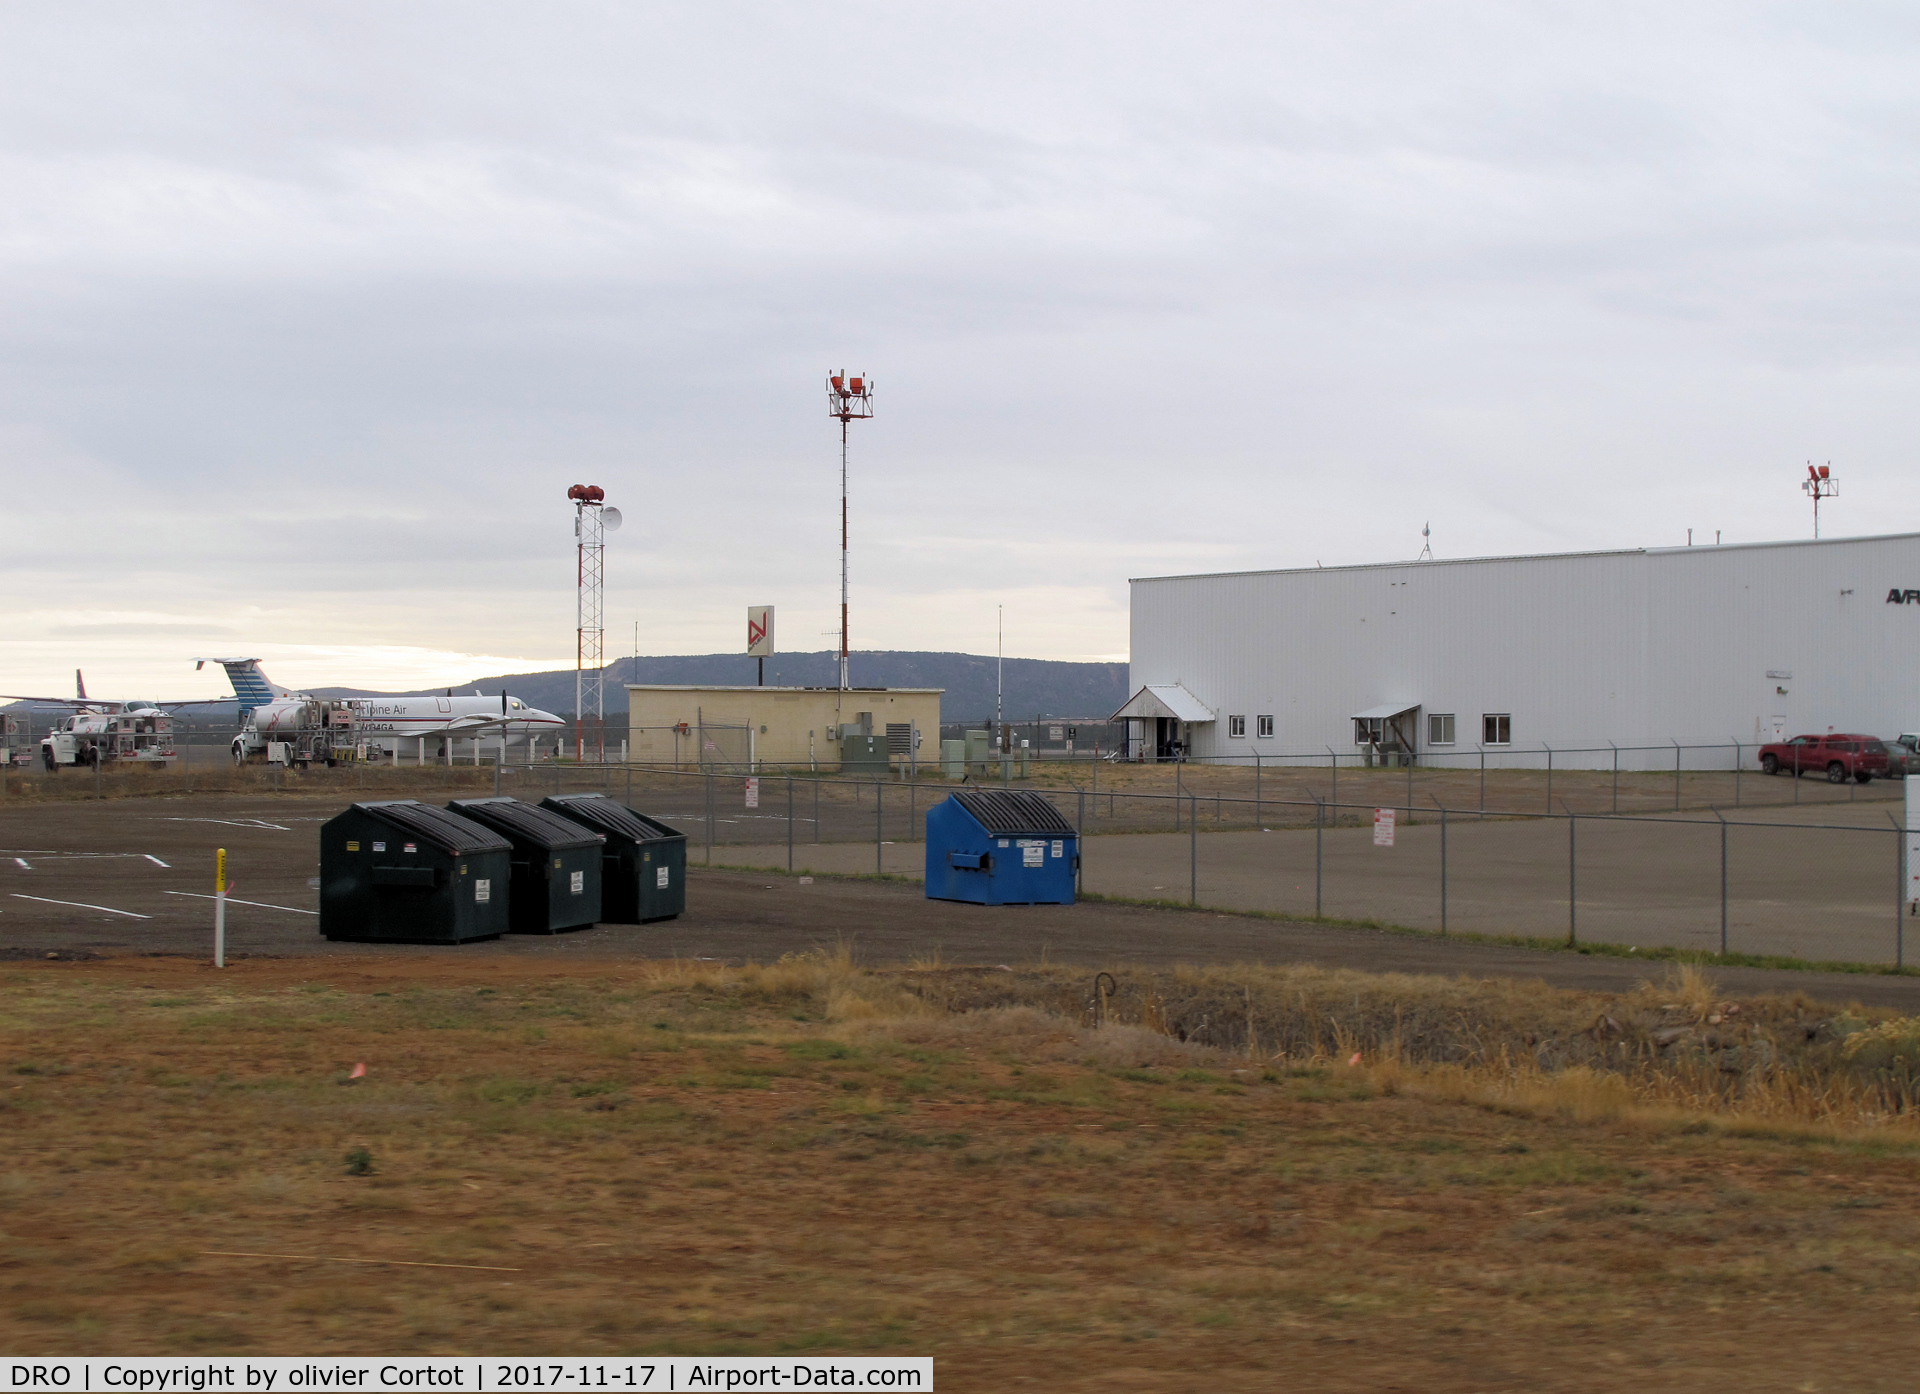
[[310, 313]]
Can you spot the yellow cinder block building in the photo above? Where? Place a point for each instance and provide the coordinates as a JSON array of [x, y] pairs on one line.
[[800, 727]]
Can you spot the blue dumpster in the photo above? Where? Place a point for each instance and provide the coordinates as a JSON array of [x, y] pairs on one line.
[[1000, 847]]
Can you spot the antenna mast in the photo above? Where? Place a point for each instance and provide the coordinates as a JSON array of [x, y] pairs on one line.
[[1820, 484], [592, 521], [848, 399]]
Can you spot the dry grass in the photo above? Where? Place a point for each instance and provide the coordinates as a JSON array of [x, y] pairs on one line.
[[803, 1155]]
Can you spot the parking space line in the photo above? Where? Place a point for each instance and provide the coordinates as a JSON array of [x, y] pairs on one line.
[[155, 860], [81, 905], [261, 904], [233, 823], [21, 862]]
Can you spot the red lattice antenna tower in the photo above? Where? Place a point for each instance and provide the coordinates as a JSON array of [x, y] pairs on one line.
[[1820, 484], [848, 399], [592, 521]]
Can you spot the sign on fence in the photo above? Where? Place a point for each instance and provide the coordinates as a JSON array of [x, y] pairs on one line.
[[753, 793], [1383, 827]]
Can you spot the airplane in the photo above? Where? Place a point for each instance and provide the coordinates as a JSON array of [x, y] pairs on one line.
[[324, 728]]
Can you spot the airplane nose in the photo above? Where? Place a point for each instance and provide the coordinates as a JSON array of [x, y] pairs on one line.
[[538, 717]]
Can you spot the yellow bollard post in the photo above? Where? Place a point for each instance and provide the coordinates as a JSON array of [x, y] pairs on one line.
[[220, 908]]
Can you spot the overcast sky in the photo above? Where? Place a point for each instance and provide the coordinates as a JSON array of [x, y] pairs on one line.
[[310, 313]]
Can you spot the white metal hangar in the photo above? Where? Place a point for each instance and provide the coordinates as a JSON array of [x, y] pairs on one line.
[[1692, 646]]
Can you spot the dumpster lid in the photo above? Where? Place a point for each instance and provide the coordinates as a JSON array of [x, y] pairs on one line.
[[447, 831], [611, 816], [1014, 812], [540, 826]]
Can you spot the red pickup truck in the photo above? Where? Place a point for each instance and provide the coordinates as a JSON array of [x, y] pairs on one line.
[[1841, 756]]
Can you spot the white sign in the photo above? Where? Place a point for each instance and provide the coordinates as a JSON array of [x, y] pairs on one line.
[[1054, 733], [753, 793], [482, 891], [660, 879], [579, 886], [1059, 847], [759, 631], [1383, 827], [1033, 854]]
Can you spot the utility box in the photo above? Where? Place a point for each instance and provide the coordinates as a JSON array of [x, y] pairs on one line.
[[1000, 847], [402, 871], [643, 865], [555, 881], [953, 759], [863, 753]]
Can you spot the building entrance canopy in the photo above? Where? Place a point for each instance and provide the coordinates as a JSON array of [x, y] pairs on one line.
[[1389, 726], [1167, 701]]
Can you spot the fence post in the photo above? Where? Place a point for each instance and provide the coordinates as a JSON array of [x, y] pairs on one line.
[[1899, 892], [1573, 885], [1080, 845], [789, 822], [1408, 755], [1257, 816], [1723, 881], [1676, 774], [1549, 750], [1616, 777], [709, 819], [816, 809], [1193, 853], [1736, 774], [1443, 867], [1319, 833], [1334, 795], [879, 825]]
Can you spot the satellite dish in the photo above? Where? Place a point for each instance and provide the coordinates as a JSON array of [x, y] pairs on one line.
[[610, 519]]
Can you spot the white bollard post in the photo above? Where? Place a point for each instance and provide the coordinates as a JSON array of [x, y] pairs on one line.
[[220, 908]]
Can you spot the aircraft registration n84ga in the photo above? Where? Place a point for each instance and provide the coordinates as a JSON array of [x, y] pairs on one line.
[[321, 728]]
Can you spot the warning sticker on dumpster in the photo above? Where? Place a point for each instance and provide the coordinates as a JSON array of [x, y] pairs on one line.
[[660, 879], [1383, 827], [579, 886], [1033, 854], [482, 891], [1059, 847]]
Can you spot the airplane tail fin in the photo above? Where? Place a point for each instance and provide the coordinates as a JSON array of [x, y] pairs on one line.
[[253, 687], [79, 684]]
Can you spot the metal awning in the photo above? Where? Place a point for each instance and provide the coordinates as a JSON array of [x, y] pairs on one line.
[[1164, 700], [1386, 711]]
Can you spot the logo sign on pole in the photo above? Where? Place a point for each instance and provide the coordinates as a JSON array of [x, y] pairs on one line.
[[753, 793], [1383, 827], [759, 631]]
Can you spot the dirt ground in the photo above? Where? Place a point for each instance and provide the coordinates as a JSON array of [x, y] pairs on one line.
[[804, 1159], [145, 869]]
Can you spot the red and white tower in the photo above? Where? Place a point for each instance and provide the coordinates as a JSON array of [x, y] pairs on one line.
[[592, 521], [848, 399], [1820, 484]]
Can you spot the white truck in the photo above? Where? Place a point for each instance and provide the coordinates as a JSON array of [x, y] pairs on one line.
[[136, 734]]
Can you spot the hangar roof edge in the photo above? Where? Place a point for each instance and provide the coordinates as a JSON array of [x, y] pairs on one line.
[[1538, 556]]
